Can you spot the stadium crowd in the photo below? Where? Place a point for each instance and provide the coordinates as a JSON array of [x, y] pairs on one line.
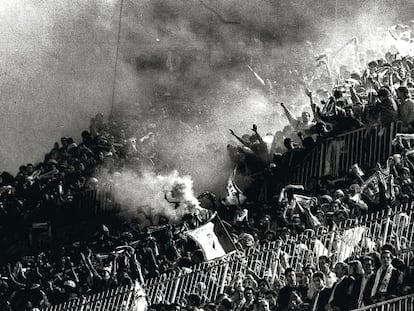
[[379, 95]]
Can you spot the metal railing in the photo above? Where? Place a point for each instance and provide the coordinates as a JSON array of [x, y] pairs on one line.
[[405, 303], [267, 261], [120, 299], [335, 156]]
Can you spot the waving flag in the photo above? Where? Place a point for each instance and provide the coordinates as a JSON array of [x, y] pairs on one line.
[[234, 195], [213, 238], [348, 240]]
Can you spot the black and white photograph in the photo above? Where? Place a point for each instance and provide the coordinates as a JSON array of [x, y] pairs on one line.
[[207, 155]]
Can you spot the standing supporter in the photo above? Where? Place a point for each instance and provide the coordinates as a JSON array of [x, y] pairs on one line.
[[341, 296], [363, 285], [386, 279], [324, 266], [238, 298], [321, 295], [406, 106], [249, 299], [386, 107], [304, 124], [286, 291]]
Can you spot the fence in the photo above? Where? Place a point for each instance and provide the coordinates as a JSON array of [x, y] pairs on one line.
[[335, 156], [119, 299], [267, 261], [405, 303]]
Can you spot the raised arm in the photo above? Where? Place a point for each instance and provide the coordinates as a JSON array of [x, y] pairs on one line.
[[312, 219], [289, 115], [90, 267], [136, 267], [114, 269], [254, 129], [354, 96], [238, 138], [308, 93]]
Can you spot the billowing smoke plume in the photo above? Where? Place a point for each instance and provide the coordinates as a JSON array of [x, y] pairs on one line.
[[182, 72], [146, 197]]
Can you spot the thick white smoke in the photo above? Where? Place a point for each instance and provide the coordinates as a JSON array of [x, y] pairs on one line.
[[57, 61], [144, 196]]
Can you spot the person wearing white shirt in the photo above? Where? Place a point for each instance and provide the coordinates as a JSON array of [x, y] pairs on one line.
[[363, 284]]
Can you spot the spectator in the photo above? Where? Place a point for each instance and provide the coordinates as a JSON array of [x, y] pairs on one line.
[[386, 279], [249, 299], [304, 124], [286, 291], [321, 294], [406, 106], [324, 266], [341, 295]]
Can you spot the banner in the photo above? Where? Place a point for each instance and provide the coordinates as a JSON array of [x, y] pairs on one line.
[[213, 239], [320, 250], [348, 241], [234, 195]]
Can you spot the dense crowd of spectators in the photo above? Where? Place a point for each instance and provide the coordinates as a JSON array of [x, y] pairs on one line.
[[378, 95], [108, 259], [347, 285]]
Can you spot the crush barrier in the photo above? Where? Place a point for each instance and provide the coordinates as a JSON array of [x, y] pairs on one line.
[[405, 303], [119, 299], [335, 156], [266, 261], [269, 260]]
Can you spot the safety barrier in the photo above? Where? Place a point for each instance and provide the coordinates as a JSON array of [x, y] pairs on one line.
[[120, 299], [267, 261], [335, 156], [405, 303], [94, 202]]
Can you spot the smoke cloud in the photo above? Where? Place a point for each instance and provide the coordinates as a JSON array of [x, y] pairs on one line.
[[146, 197], [182, 69]]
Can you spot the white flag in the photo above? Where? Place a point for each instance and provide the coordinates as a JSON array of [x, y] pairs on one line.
[[348, 241], [213, 239]]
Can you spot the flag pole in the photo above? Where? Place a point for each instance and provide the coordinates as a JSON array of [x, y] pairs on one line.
[[116, 55]]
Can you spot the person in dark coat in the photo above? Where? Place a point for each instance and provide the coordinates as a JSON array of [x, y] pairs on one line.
[[322, 294], [286, 291], [386, 279], [363, 284], [341, 296]]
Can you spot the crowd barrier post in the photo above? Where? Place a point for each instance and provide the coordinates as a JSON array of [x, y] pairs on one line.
[[275, 268], [175, 290], [387, 225], [224, 278]]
